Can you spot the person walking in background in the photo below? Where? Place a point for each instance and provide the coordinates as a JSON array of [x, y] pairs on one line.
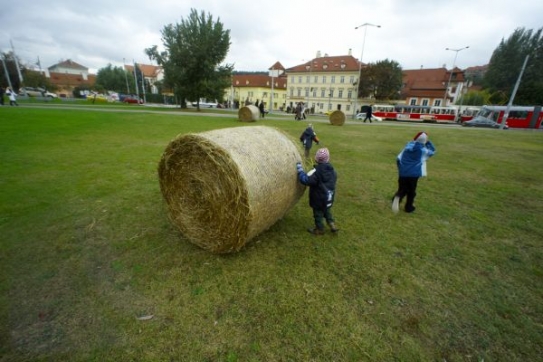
[[369, 113], [298, 112], [12, 98], [411, 163], [322, 188], [262, 110], [307, 138]]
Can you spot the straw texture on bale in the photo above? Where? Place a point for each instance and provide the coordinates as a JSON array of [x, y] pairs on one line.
[[248, 113], [337, 118], [224, 187]]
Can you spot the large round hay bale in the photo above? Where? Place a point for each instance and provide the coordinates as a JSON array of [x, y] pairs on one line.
[[337, 118], [248, 113], [224, 187]]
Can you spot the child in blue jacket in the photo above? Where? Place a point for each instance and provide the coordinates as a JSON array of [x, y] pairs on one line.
[[322, 188], [307, 138], [411, 162]]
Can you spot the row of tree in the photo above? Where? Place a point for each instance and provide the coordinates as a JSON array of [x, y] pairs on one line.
[[196, 48]]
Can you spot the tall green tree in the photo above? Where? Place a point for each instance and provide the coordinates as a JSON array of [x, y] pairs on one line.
[[475, 98], [194, 51], [34, 78], [112, 78], [505, 66], [382, 80]]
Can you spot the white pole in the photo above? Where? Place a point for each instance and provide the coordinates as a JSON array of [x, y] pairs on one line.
[[136, 80], [452, 70], [126, 78], [7, 73], [16, 64], [506, 114], [365, 25], [270, 107]]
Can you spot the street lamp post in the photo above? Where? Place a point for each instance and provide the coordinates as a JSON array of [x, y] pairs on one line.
[[452, 70], [365, 25], [126, 77]]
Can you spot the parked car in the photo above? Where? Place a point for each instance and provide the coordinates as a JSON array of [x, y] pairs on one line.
[[36, 92], [47, 93], [361, 116], [132, 99], [30, 91], [483, 122], [206, 104]]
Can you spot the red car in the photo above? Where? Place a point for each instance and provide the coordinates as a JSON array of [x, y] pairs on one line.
[[132, 99]]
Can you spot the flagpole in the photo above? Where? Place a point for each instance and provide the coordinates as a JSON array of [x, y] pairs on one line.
[[17, 64], [7, 73], [136, 80]]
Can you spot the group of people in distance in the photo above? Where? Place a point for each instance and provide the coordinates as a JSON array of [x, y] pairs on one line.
[[322, 178]]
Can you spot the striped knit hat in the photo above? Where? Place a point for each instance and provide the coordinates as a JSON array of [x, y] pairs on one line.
[[322, 155], [421, 137]]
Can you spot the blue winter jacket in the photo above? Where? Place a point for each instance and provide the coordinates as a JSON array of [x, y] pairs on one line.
[[308, 137], [411, 161]]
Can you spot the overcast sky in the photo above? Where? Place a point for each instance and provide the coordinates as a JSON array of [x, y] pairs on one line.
[[415, 33]]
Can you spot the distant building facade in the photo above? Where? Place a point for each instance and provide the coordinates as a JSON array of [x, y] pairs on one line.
[[67, 75], [269, 88], [433, 87], [325, 83]]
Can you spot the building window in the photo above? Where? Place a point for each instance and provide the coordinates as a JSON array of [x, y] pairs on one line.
[[413, 102], [323, 79], [299, 79], [340, 93], [299, 92], [292, 92], [307, 92], [333, 80], [351, 79], [293, 79], [425, 102], [314, 92], [316, 79], [342, 79], [307, 79], [323, 93], [349, 94], [437, 102]]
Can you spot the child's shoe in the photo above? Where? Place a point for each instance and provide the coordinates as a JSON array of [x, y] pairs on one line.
[[396, 204], [316, 231], [333, 227]]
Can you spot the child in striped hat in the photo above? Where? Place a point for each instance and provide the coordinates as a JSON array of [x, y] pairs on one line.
[[411, 164]]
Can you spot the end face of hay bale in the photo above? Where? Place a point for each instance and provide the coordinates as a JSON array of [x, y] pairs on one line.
[[225, 187], [337, 118], [249, 113]]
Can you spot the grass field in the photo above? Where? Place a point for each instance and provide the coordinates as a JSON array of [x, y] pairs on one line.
[[92, 269]]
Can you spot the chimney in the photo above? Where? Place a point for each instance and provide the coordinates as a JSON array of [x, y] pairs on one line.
[[318, 53], [350, 52]]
